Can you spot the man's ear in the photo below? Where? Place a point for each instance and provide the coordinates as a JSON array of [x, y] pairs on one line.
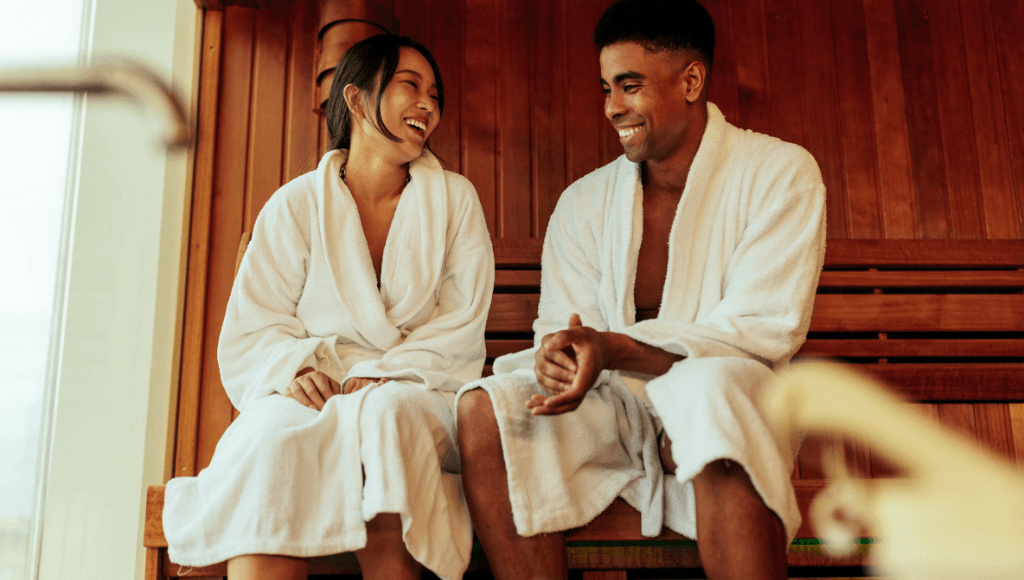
[[353, 98], [693, 80]]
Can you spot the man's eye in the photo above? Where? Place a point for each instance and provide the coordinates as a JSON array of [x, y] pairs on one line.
[[630, 88], [606, 90]]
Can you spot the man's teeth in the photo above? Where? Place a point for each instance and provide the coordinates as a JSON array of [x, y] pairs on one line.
[[628, 132], [418, 124]]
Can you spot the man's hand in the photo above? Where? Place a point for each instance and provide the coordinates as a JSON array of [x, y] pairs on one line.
[[355, 383], [568, 363], [312, 388]]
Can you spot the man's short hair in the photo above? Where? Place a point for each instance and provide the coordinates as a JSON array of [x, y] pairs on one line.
[[659, 25]]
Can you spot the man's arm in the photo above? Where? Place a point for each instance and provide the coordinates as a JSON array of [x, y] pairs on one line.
[[569, 362]]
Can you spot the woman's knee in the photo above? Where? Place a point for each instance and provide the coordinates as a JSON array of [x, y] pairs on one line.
[[401, 404]]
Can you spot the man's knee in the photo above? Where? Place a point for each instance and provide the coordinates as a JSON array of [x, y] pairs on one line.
[[477, 424], [728, 478]]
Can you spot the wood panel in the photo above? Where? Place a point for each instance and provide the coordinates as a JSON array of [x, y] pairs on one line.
[[918, 313]]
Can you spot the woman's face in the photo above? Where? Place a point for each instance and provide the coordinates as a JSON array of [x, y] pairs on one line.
[[409, 105]]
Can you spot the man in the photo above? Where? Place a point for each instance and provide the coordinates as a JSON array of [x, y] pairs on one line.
[[686, 270]]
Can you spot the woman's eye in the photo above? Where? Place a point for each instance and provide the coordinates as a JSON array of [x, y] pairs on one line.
[[413, 83]]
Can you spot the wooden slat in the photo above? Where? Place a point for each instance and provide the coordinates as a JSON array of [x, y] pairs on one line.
[[923, 279], [785, 71], [995, 427], [370, 11], [751, 66], [959, 417], [479, 116], [512, 312], [510, 253], [548, 161], [584, 113], [960, 156], [857, 117], [446, 44], [504, 279], [933, 253], [515, 216], [914, 348], [917, 312], [952, 382], [1008, 25], [993, 153], [925, 135], [890, 117], [300, 129], [199, 249], [1017, 428], [153, 527], [496, 348]]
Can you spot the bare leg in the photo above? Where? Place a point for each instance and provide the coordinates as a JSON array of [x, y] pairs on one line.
[[264, 566], [738, 536], [511, 556], [385, 556]]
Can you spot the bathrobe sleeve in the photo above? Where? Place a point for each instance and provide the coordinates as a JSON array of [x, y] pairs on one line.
[[771, 275], [448, 350], [262, 343]]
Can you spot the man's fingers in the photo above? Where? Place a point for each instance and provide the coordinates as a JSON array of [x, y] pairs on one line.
[[556, 409], [553, 371], [575, 321], [561, 359]]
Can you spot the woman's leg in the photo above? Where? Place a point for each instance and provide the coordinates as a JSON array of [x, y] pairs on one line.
[[385, 556], [260, 566]]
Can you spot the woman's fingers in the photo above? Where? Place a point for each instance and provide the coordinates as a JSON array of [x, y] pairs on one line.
[[295, 391], [322, 383], [310, 389]]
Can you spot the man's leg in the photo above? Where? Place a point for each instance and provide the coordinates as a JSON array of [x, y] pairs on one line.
[[511, 556], [738, 536], [385, 556]]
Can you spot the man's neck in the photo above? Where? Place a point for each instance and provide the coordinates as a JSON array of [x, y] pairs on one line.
[[668, 176]]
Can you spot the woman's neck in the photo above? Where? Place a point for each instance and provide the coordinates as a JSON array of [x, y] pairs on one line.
[[372, 177]]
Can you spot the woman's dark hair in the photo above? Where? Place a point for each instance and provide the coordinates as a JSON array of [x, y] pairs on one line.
[[361, 66], [659, 25]]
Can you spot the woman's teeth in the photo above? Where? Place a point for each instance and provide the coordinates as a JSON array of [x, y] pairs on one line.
[[417, 125]]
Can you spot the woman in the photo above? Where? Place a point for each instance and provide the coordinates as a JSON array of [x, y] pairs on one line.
[[358, 311]]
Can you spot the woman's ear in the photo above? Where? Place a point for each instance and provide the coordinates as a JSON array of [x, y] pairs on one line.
[[353, 98]]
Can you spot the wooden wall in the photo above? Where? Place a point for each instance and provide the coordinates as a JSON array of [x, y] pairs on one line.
[[914, 110]]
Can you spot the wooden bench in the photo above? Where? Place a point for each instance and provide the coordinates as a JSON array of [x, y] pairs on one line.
[[940, 321]]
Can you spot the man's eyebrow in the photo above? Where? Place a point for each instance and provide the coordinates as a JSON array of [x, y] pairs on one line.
[[624, 76]]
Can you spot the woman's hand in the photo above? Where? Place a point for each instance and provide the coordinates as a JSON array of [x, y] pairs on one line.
[[312, 388], [355, 383]]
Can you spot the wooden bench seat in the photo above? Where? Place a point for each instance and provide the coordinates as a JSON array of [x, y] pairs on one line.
[[940, 321]]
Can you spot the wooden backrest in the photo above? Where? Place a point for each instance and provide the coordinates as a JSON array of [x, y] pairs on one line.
[[940, 320]]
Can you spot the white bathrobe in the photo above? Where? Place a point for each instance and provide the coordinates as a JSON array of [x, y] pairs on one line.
[[286, 479], [746, 248]]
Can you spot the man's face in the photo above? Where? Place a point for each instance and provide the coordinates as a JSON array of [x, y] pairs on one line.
[[646, 99]]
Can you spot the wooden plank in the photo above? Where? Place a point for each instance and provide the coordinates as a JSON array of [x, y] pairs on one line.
[[960, 156], [153, 569], [723, 91], [1008, 20], [751, 66], [547, 148], [512, 312], [504, 279], [812, 454], [969, 254], [515, 216], [266, 110], [496, 348], [925, 135], [890, 117], [1017, 428], [982, 382], [923, 279], [857, 120], [414, 21], [785, 71], [300, 129], [189, 388], [821, 101], [585, 120], [918, 312], [995, 170], [960, 418], [517, 252], [995, 428], [228, 217], [479, 121], [153, 526], [446, 44], [899, 348]]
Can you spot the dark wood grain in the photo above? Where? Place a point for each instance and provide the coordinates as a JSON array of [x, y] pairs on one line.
[[921, 253], [890, 116], [918, 313], [920, 348], [300, 128], [751, 66], [1008, 25], [514, 199], [860, 154], [479, 120]]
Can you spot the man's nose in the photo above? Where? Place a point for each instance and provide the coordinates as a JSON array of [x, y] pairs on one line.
[[613, 106]]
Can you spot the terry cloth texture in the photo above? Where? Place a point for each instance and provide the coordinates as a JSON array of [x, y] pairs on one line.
[[746, 249], [286, 479]]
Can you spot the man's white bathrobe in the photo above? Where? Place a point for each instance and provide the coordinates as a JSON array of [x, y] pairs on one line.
[[286, 479], [746, 248]]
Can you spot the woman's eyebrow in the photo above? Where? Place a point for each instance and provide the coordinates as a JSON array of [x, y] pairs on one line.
[[418, 75]]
